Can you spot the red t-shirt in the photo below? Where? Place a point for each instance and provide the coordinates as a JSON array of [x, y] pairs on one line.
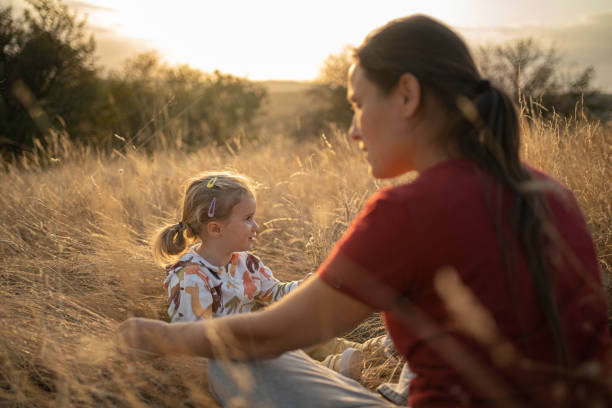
[[479, 340]]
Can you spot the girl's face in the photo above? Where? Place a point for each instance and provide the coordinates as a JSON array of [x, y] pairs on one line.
[[379, 126], [239, 230]]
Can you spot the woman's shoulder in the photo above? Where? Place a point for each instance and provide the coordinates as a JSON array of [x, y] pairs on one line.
[[547, 184], [561, 200], [449, 181]]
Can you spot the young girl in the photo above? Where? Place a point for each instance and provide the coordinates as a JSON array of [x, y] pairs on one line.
[[219, 276]]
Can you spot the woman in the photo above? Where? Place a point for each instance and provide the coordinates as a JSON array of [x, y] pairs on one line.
[[483, 267]]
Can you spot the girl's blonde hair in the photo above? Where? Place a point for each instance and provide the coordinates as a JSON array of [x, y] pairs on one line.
[[226, 188]]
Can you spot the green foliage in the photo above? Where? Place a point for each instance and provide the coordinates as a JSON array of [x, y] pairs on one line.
[[334, 71], [153, 102], [46, 73], [331, 108], [48, 82], [330, 111]]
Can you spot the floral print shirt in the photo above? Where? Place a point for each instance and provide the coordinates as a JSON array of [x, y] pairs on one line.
[[199, 290]]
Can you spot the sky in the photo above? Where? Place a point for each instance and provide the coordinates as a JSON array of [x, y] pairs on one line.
[[289, 40]]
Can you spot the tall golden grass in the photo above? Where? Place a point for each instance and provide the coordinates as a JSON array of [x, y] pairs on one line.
[[76, 258]]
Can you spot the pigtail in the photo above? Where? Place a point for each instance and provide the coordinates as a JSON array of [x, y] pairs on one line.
[[169, 242]]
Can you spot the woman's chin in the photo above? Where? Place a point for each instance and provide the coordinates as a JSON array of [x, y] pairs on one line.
[[379, 173], [385, 173]]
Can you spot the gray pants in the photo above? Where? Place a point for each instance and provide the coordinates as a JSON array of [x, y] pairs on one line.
[[291, 380]]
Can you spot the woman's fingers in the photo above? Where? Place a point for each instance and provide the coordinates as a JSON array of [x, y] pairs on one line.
[[139, 336]]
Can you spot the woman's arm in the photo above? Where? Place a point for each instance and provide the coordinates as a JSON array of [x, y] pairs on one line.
[[311, 314]]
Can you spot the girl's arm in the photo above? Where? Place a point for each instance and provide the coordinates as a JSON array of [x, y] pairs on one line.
[[311, 314], [271, 288]]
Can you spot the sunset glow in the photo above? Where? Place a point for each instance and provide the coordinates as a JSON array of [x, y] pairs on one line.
[[289, 40]]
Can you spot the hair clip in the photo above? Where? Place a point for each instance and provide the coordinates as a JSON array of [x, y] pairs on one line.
[[211, 207], [211, 183]]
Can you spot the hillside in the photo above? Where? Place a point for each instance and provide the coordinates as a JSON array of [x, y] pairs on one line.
[[286, 101]]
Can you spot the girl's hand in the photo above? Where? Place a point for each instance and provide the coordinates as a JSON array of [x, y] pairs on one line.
[[143, 335], [305, 278]]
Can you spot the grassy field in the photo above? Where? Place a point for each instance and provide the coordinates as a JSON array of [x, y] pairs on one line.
[[75, 255]]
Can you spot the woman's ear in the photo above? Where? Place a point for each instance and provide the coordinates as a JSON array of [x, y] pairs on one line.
[[409, 89]]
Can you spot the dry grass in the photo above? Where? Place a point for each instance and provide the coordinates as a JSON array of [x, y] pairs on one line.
[[578, 153], [75, 256]]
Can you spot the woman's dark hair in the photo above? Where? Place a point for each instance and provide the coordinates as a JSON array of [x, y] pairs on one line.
[[483, 128]]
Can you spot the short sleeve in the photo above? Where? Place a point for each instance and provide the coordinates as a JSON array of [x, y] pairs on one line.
[[374, 261], [271, 289]]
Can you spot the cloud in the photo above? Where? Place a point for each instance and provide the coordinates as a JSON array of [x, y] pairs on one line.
[[587, 40], [582, 43]]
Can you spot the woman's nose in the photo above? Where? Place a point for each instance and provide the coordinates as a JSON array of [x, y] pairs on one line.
[[354, 131]]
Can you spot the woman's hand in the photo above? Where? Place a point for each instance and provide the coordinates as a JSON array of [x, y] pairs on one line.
[[144, 335]]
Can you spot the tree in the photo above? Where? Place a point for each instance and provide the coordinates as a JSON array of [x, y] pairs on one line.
[[528, 71], [332, 109], [48, 79], [523, 68], [334, 71], [181, 103], [46, 72]]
